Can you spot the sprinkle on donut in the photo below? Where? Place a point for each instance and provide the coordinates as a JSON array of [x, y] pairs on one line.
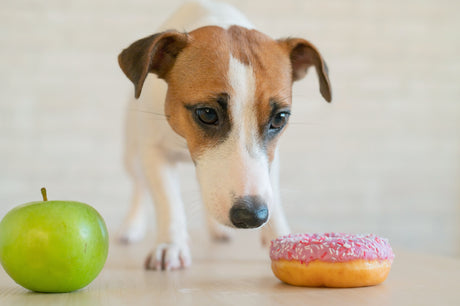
[[330, 247]]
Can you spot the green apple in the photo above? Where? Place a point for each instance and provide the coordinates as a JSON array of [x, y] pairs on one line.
[[53, 246]]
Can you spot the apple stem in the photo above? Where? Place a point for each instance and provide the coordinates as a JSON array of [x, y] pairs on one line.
[[43, 190]]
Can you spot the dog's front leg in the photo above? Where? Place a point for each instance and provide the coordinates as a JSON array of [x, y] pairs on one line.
[[171, 249], [277, 224]]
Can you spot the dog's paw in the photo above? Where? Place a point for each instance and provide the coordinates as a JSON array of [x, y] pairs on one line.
[[221, 237], [168, 256], [269, 233], [265, 238], [219, 232], [130, 233]]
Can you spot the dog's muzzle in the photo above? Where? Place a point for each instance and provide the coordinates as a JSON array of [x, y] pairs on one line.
[[249, 212]]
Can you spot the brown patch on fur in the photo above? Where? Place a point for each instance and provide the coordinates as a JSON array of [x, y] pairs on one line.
[[272, 70], [153, 54], [196, 65], [199, 73], [303, 55]]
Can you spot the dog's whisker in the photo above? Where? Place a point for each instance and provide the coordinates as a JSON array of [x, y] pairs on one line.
[[163, 116], [194, 208], [305, 123]]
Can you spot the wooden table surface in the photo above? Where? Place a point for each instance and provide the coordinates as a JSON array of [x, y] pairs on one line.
[[238, 273]]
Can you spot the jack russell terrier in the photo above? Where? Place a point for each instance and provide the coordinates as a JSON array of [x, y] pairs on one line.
[[221, 98]]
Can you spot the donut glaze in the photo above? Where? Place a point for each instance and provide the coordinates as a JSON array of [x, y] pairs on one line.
[[331, 259]]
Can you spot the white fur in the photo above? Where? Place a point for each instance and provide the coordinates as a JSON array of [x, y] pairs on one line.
[[153, 150], [238, 166], [200, 13]]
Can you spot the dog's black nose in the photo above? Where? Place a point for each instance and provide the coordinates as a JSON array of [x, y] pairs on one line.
[[249, 212]]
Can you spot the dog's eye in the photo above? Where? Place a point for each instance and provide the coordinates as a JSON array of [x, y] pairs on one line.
[[279, 120], [207, 115]]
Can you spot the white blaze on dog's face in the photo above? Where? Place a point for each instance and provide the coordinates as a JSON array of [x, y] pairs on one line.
[[234, 88], [229, 96], [235, 172]]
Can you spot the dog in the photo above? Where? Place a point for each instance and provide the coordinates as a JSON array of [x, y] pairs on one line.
[[221, 98]]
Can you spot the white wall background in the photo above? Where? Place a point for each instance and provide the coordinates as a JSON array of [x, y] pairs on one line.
[[383, 158]]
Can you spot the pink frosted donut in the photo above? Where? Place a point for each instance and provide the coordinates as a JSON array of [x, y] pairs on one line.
[[331, 259]]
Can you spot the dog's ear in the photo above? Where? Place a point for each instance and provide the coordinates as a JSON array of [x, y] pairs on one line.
[[156, 53], [303, 55]]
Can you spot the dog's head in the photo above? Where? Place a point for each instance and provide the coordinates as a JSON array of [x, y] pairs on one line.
[[229, 96]]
